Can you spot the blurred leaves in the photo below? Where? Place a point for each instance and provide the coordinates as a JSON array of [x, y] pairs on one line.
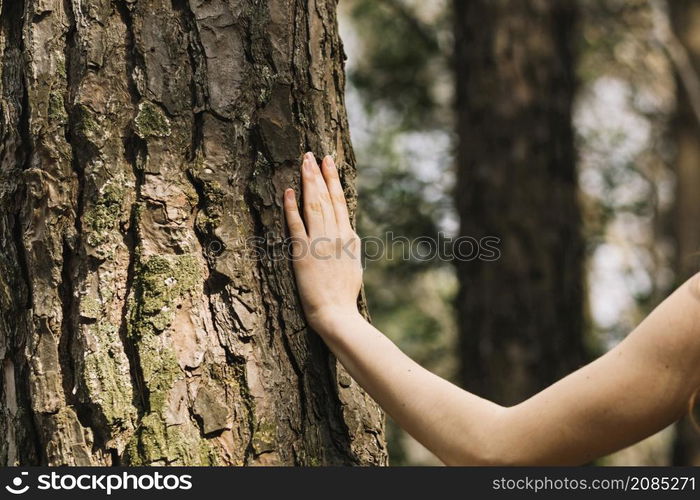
[[622, 118], [403, 62]]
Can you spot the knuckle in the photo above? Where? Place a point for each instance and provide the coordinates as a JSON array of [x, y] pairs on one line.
[[338, 197], [315, 206]]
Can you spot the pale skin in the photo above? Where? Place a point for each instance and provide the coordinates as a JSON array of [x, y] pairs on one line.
[[639, 387]]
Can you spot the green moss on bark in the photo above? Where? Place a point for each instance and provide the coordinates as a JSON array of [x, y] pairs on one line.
[[101, 221], [86, 125], [160, 370], [161, 283], [57, 109], [151, 121], [90, 308], [264, 437], [107, 376], [157, 443]]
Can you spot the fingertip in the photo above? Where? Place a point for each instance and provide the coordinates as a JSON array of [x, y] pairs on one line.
[[289, 196], [314, 167], [330, 171], [328, 161], [306, 166]]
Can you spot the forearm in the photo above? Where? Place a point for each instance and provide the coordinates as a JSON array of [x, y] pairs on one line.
[[455, 425], [641, 386], [636, 389]]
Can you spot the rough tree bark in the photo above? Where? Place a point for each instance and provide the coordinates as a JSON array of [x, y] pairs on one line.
[[521, 318], [143, 143], [685, 16]]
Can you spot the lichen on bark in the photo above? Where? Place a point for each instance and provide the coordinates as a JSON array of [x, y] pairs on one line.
[[160, 283]]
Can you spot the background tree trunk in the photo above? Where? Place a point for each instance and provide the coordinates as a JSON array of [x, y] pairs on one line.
[[142, 145], [685, 17], [520, 318]]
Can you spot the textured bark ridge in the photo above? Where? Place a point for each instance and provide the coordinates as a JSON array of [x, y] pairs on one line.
[[143, 143], [521, 318]]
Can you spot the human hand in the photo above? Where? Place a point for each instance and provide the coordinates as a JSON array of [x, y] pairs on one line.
[[325, 249]]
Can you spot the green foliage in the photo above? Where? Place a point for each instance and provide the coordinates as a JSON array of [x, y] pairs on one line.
[[400, 61], [393, 200]]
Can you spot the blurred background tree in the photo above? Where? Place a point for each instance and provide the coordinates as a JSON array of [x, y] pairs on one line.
[[683, 45], [637, 170], [520, 318]]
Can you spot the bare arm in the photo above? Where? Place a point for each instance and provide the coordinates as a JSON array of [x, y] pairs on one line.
[[636, 389]]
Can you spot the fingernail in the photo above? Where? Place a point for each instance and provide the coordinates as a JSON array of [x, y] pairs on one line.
[[329, 161], [309, 155], [289, 194], [307, 165]]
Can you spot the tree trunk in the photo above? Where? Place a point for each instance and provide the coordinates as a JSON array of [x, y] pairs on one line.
[[521, 317], [685, 16], [144, 145]]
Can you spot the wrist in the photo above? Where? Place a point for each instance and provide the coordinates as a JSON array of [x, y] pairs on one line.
[[330, 321]]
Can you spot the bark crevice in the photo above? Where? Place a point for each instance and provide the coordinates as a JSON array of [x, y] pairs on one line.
[[12, 13], [135, 150]]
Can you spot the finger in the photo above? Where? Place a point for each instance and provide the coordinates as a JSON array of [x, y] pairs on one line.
[[313, 212], [329, 222], [335, 190], [291, 212]]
